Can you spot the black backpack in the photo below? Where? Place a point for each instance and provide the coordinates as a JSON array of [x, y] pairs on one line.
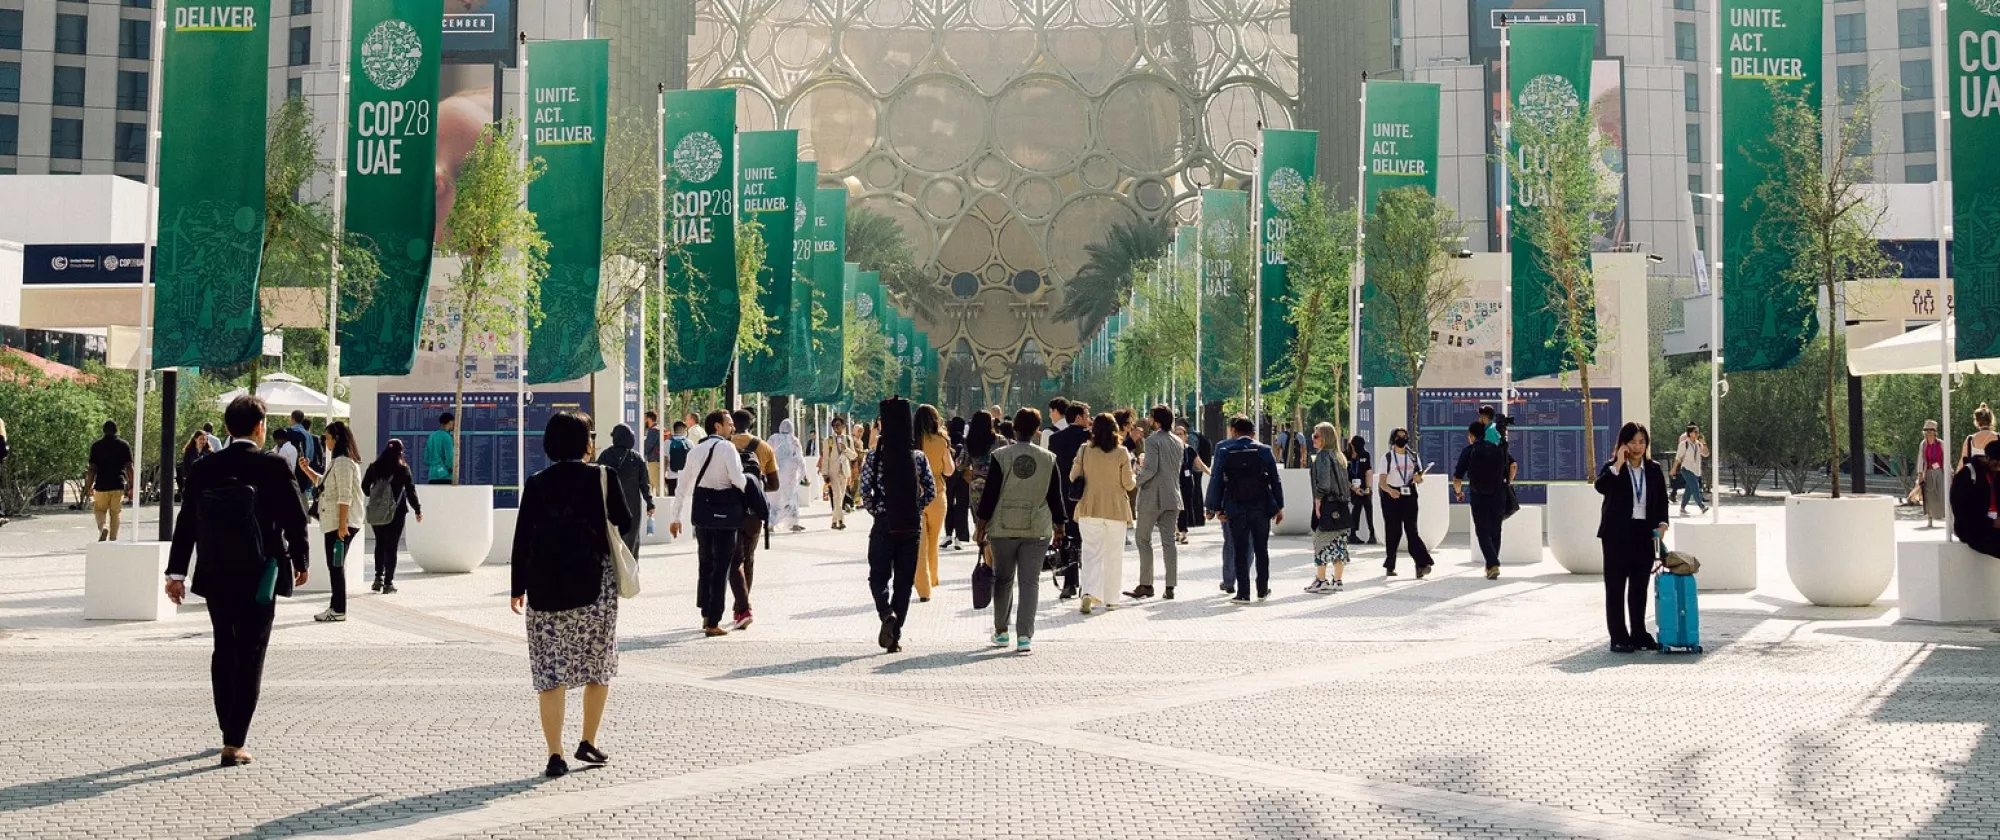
[[1243, 477], [229, 531], [1486, 468]]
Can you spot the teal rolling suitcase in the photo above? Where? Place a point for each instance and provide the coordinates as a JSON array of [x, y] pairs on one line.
[[1679, 613]]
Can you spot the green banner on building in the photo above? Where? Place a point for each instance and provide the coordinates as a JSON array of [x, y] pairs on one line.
[[1286, 171], [700, 192], [1973, 28], [765, 184], [1549, 77], [1765, 43], [826, 363], [798, 333], [568, 86], [1402, 144], [213, 96], [1226, 291], [391, 177], [1401, 151]]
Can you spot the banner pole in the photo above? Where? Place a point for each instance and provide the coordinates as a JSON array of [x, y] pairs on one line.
[[345, 26], [521, 328], [1506, 224], [1200, 292], [1255, 211], [660, 261], [145, 365], [1354, 274], [1715, 207], [1941, 27]]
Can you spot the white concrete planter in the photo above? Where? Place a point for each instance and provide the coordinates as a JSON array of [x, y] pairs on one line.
[[1573, 514], [1434, 509], [1840, 552], [1298, 486], [1727, 551], [126, 582], [457, 530], [502, 551], [1521, 538], [359, 563], [1946, 582]]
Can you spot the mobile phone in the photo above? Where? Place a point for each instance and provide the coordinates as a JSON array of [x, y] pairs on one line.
[[1427, 467]]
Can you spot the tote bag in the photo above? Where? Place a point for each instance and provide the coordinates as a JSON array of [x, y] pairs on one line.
[[624, 566]]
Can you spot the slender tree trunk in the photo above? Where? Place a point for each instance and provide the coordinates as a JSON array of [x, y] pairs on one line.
[[458, 403], [1832, 344]]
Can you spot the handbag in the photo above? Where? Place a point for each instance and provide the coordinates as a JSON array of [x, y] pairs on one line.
[[623, 565], [1513, 503], [982, 582], [1335, 514], [713, 508]]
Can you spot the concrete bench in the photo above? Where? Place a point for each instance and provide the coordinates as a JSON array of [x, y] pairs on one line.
[[1521, 538], [1727, 551], [1946, 582], [126, 582]]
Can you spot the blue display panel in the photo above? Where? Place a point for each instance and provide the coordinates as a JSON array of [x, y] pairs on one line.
[[488, 433]]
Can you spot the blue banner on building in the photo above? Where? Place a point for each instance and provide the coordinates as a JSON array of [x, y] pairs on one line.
[[76, 265]]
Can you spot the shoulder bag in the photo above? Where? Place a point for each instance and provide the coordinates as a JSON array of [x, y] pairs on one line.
[[716, 508], [624, 566]]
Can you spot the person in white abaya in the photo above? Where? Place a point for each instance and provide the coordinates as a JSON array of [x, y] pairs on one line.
[[791, 474]]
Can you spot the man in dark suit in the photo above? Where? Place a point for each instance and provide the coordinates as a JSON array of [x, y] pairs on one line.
[[1065, 444], [233, 581], [1245, 493]]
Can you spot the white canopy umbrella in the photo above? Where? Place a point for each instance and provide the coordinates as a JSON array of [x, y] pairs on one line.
[[283, 394], [1913, 352]]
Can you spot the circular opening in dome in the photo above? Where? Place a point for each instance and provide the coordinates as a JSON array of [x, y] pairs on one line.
[[1027, 282], [964, 284]]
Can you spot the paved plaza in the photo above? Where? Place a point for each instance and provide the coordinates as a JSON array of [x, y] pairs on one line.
[[1451, 707]]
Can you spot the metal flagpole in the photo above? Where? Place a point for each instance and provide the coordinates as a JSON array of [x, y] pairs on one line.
[[1354, 274], [145, 366], [1943, 221], [1200, 292], [345, 26], [1256, 267], [521, 330], [1506, 224], [1715, 270], [660, 264]]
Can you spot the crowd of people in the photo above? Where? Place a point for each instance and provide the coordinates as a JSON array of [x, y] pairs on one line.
[[1067, 495]]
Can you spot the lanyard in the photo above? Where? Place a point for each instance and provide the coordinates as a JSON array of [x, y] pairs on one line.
[[1638, 475], [1405, 465]]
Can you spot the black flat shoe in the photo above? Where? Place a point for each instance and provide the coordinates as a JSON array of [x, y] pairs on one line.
[[557, 767], [887, 638], [232, 759], [1620, 647], [1167, 595], [588, 753]]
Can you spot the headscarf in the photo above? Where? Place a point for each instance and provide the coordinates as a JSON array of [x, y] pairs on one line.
[[785, 445], [621, 435]]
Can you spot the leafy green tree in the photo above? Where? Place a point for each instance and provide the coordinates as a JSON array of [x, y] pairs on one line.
[[872, 369], [1231, 289], [51, 423], [877, 243], [1562, 195], [1819, 216], [631, 238], [502, 254], [1104, 284], [1409, 262], [1757, 441], [753, 328], [1154, 350], [300, 226], [1319, 264]]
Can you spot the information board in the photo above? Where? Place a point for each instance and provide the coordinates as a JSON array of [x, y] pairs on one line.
[[1546, 438], [487, 433]]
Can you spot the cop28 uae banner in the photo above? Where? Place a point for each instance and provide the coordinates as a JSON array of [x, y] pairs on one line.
[[391, 177], [1548, 78], [1225, 309], [700, 138], [211, 185], [826, 363], [1973, 41], [1286, 171], [568, 84], [1400, 150], [1765, 325], [798, 331], [765, 185]]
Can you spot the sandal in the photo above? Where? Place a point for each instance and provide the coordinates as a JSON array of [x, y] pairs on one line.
[[589, 754]]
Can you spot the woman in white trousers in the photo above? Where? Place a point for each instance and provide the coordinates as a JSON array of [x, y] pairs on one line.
[[1104, 512]]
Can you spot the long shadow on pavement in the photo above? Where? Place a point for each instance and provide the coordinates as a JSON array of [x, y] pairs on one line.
[[87, 785], [354, 812]]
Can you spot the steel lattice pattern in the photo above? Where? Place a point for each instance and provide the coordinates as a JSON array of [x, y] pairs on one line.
[[1004, 136]]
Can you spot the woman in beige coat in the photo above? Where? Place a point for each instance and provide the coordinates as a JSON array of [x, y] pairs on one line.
[[1104, 512]]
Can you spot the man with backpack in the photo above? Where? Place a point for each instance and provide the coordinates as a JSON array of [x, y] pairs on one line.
[[760, 463], [1489, 469], [1245, 494], [244, 519]]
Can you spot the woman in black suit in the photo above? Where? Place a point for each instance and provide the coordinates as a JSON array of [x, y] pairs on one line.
[[1633, 519]]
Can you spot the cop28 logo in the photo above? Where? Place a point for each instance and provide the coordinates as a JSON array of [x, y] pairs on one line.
[[1990, 7], [391, 53], [1550, 97], [864, 305], [698, 157], [799, 219], [1288, 189], [1221, 236]]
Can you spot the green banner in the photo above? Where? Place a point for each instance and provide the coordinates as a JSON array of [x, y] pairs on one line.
[[1225, 293], [567, 87], [868, 304], [765, 181], [1286, 171], [1549, 76], [798, 332], [1765, 325], [1402, 147], [213, 94], [826, 361], [391, 177], [1974, 42], [1401, 151], [700, 146]]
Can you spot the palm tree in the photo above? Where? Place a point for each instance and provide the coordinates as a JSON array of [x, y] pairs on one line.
[[877, 243], [1104, 284]]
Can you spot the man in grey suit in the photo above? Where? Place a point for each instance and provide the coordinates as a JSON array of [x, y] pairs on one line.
[[1159, 502]]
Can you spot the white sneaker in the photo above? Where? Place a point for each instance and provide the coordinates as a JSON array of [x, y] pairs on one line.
[[1316, 586], [330, 615]]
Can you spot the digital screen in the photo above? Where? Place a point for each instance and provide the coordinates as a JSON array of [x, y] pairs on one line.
[[487, 433], [1546, 438]]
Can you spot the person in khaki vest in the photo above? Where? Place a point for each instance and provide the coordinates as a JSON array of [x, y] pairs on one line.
[[1019, 515]]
